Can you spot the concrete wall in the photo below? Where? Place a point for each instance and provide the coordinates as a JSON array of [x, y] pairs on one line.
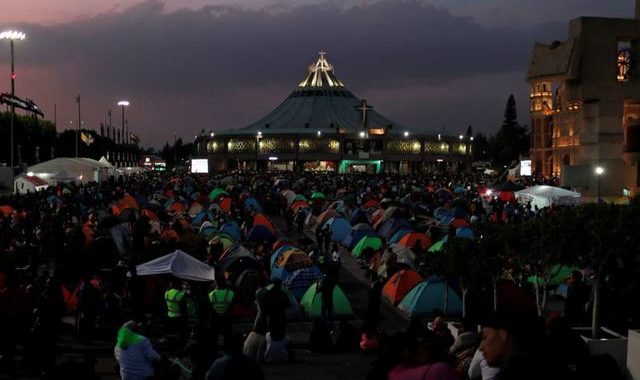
[[633, 355]]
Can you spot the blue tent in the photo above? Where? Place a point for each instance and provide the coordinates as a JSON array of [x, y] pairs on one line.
[[278, 252], [442, 213], [359, 216], [395, 238], [429, 295], [355, 236], [201, 216], [299, 281], [208, 231], [388, 228], [465, 232], [232, 229], [251, 202], [340, 228], [260, 233]]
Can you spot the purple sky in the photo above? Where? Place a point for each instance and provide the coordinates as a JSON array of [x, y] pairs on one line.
[[186, 65]]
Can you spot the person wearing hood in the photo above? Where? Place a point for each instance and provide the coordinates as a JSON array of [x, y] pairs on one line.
[[134, 353]]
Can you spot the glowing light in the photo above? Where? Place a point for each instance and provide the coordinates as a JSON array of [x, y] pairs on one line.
[[406, 133], [471, 138], [273, 158], [12, 35], [30, 174], [599, 170], [319, 133], [259, 134], [362, 134], [212, 134], [461, 137], [123, 103], [439, 160]]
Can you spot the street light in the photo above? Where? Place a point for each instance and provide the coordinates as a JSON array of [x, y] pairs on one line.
[[122, 104], [461, 137], [599, 172], [12, 35], [406, 133]]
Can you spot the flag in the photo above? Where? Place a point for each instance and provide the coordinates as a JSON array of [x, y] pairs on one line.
[[86, 138], [134, 138]]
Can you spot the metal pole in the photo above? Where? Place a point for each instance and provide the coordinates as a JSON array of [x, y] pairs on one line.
[[13, 93], [599, 188], [122, 134], [78, 129]]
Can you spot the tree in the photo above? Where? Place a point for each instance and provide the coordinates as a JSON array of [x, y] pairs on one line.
[[512, 139], [481, 148]]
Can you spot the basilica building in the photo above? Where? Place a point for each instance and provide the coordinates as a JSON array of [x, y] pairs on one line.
[[323, 126]]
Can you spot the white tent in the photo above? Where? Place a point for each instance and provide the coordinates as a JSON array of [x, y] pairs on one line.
[[546, 196], [179, 264], [65, 169]]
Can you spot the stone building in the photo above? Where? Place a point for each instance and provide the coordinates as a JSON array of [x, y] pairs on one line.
[[585, 106], [321, 125]]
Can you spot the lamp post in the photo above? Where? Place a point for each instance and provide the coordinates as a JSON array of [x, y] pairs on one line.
[[122, 104], [12, 35], [599, 172]]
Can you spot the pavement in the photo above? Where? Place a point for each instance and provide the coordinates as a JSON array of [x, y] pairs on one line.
[[307, 365]]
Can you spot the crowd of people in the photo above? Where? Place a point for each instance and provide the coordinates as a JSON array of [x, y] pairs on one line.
[[68, 268]]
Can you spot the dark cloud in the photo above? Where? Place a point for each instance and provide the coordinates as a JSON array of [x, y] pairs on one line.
[[224, 67]]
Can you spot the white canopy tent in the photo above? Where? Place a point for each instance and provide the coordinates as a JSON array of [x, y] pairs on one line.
[[65, 169], [546, 196], [180, 264]]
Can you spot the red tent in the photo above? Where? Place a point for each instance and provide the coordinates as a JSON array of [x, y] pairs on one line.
[[399, 285]]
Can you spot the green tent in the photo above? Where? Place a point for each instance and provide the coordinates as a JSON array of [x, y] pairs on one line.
[[311, 303], [317, 195], [437, 246], [215, 193], [559, 274], [299, 197], [366, 242]]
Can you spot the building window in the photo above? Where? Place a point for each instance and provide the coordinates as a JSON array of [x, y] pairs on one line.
[[624, 61]]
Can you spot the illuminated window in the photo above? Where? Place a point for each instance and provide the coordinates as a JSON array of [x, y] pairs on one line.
[[623, 61]]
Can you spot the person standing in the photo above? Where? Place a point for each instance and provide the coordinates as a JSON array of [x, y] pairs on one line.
[[177, 312], [221, 300], [276, 302], [326, 287], [134, 353]]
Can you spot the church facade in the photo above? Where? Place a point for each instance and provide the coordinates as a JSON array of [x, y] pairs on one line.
[[585, 106], [322, 126]]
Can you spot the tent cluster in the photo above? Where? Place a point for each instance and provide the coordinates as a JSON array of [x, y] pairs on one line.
[[212, 218]]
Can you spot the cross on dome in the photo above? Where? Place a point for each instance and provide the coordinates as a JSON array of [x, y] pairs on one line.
[[321, 74], [363, 108]]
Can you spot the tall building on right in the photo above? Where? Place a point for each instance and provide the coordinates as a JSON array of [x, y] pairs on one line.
[[585, 106]]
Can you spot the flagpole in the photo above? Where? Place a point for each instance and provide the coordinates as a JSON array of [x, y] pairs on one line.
[[79, 122]]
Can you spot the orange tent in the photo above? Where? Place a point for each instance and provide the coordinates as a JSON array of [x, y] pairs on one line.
[[169, 235], [127, 202], [7, 210], [294, 259], [225, 205], [177, 207], [459, 222], [262, 220], [409, 240], [150, 214], [325, 216], [400, 284]]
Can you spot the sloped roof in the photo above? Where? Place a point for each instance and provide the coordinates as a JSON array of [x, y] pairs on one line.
[[36, 181], [68, 162], [551, 60], [321, 102]]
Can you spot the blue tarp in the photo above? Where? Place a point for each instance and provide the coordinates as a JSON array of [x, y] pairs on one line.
[[250, 203], [388, 228], [260, 233]]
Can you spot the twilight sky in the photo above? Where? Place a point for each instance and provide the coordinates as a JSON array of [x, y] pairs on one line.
[[186, 65]]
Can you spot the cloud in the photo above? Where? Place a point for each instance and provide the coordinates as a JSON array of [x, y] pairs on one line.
[[224, 66]]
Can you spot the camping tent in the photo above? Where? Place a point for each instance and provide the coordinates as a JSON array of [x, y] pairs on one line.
[[546, 196], [179, 264], [429, 295], [311, 303], [399, 285]]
